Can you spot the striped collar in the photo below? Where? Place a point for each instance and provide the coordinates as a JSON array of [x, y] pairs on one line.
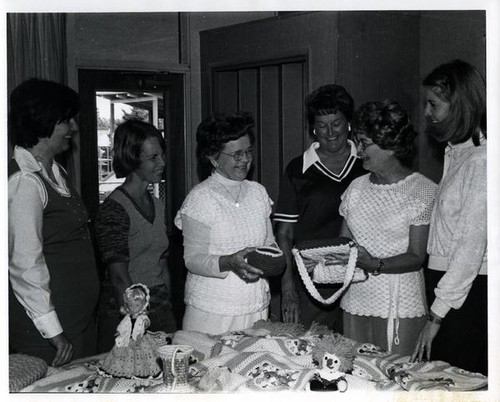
[[311, 158]]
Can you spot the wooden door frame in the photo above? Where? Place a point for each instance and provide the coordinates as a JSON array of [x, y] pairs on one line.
[[93, 79]]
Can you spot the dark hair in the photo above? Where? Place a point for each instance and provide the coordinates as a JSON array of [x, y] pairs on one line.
[[459, 84], [388, 125], [127, 145], [329, 99], [36, 106], [220, 128]]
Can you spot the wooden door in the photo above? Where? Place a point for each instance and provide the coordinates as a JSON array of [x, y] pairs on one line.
[[273, 92]]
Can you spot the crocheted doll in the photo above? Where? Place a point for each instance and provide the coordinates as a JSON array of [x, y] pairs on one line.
[[334, 355], [329, 377], [135, 351]]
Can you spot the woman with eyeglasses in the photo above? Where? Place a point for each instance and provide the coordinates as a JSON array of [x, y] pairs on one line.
[[223, 219], [309, 199], [387, 213]]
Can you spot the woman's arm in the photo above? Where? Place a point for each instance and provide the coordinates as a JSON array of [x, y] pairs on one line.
[[28, 273], [410, 261], [120, 278], [468, 244], [200, 262], [290, 303]]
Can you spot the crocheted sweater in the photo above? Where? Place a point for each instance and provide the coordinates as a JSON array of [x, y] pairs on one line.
[[379, 217], [231, 229]]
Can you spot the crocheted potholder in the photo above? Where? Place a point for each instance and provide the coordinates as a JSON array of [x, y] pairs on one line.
[[269, 260], [24, 370]]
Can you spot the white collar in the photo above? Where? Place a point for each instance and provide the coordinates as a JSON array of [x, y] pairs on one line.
[[225, 181], [311, 156], [466, 144], [26, 161]]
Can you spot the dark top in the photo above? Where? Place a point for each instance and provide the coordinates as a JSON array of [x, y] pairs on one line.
[[311, 199], [69, 255]]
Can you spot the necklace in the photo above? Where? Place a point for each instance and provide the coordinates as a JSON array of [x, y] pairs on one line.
[[236, 203]]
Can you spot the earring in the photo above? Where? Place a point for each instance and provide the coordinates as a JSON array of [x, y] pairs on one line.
[[314, 131], [349, 126]]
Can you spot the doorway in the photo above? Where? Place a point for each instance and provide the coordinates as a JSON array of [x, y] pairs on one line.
[[158, 98]]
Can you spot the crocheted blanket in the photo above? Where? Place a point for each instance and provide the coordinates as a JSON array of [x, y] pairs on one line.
[[271, 357]]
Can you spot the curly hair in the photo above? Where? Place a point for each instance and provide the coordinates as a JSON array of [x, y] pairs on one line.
[[220, 128], [127, 145], [36, 106], [388, 125], [459, 84], [329, 99]]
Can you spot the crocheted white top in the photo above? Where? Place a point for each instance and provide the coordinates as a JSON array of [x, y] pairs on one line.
[[379, 217], [231, 229]]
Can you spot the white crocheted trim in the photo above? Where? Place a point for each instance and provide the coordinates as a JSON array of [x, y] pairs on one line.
[[269, 251], [349, 274]]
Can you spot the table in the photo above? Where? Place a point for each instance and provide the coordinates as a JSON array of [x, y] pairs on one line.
[[270, 357]]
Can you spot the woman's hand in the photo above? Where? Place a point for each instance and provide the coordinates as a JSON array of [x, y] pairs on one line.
[[236, 262], [424, 342], [290, 305], [365, 260], [64, 349]]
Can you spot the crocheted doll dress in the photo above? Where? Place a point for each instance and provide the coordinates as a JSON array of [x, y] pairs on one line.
[[379, 218], [135, 352]]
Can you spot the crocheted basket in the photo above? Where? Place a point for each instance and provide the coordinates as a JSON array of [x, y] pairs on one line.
[[323, 258], [269, 260], [24, 370]]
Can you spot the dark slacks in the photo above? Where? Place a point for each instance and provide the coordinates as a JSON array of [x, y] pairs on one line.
[[462, 339]]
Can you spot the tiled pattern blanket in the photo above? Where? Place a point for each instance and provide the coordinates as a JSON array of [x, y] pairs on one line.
[[254, 360]]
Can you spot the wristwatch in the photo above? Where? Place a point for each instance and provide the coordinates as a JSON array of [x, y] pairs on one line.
[[431, 317], [379, 267]]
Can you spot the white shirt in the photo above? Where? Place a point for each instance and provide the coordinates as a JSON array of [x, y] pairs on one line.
[[28, 272], [458, 240]]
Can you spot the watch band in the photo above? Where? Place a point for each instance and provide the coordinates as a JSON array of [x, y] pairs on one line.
[[379, 267], [431, 317]]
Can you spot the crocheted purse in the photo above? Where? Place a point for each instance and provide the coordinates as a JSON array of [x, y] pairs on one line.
[[268, 259], [325, 259]]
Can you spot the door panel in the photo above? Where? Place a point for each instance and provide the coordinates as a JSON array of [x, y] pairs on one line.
[[273, 92], [270, 120], [292, 141]]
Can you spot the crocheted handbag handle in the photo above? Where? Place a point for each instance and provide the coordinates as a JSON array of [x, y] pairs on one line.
[[311, 288]]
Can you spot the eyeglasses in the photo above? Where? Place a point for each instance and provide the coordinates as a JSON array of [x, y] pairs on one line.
[[362, 145], [238, 155]]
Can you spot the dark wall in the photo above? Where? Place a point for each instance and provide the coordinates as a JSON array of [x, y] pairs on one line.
[[445, 36], [378, 57]]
